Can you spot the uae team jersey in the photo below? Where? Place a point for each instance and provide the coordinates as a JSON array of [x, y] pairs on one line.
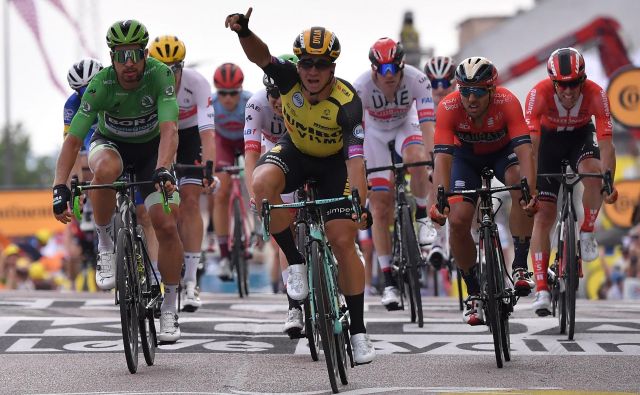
[[324, 128], [128, 115], [544, 110], [194, 101], [261, 122], [502, 125], [413, 93], [230, 124]]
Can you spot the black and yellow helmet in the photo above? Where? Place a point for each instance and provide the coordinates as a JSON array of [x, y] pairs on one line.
[[317, 41], [127, 32], [168, 49]]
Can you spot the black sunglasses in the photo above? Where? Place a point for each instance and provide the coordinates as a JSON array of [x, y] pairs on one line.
[[228, 93], [466, 91], [320, 64], [569, 84]]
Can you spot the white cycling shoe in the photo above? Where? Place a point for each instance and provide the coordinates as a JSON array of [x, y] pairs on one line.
[[542, 304], [191, 297], [588, 246], [427, 233], [363, 350], [169, 327], [297, 287], [106, 270]]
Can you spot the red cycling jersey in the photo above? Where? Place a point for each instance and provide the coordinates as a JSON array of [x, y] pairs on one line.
[[503, 124], [544, 110]]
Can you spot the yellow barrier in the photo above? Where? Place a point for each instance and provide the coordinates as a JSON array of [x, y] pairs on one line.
[[24, 212]]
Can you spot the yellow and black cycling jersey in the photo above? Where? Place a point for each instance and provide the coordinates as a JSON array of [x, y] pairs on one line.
[[324, 128]]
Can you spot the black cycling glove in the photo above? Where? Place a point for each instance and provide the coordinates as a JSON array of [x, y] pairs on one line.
[[243, 21], [365, 210], [162, 175], [61, 196]]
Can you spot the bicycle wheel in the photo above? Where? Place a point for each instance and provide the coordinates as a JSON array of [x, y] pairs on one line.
[[459, 281], [492, 301], [310, 330], [414, 260], [571, 267], [342, 339], [505, 304], [323, 309], [128, 297], [238, 259], [147, 328]]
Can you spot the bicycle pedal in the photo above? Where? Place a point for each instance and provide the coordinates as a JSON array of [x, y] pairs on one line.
[[295, 333], [522, 292], [393, 307]]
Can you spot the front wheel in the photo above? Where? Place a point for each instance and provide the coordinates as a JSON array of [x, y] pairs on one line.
[[148, 339], [571, 260], [239, 260], [128, 297], [414, 263], [492, 300]]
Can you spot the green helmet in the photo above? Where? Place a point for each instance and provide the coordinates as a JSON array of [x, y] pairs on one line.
[[290, 57], [127, 32]]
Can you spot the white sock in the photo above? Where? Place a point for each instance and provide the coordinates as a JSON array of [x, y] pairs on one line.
[[105, 242], [170, 302], [154, 264], [191, 260], [285, 276]]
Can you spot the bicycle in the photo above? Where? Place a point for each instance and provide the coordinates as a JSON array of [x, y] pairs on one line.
[[566, 268], [407, 258], [240, 231], [137, 286], [496, 285], [327, 310]]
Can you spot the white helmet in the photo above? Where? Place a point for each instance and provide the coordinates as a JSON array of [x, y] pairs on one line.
[[81, 73], [440, 67]]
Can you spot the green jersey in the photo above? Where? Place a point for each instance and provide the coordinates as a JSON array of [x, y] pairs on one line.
[[133, 116]]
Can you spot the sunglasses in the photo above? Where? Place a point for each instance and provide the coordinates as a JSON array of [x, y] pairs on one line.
[[123, 55], [320, 64], [569, 84], [466, 91], [385, 68], [273, 92], [228, 93], [441, 83], [176, 67]]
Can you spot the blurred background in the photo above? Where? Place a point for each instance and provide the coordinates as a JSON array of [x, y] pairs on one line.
[[43, 38]]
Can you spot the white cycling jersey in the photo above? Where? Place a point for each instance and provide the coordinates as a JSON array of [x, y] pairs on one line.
[[413, 94], [194, 100], [262, 125]]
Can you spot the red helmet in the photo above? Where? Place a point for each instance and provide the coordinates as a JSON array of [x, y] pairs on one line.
[[384, 51], [566, 64], [228, 76]]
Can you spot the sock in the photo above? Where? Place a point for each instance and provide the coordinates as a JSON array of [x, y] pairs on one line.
[[223, 242], [191, 260], [154, 264], [170, 302], [471, 279], [285, 276], [590, 216], [540, 264], [293, 304], [288, 246], [105, 242], [421, 208], [384, 262], [355, 304], [521, 251]]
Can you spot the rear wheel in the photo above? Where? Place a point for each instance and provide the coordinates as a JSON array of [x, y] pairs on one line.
[[492, 301], [571, 259], [239, 260], [128, 297], [325, 322], [310, 330], [414, 263]]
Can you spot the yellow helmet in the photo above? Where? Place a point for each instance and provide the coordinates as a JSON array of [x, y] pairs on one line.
[[11, 249], [168, 49], [317, 41]]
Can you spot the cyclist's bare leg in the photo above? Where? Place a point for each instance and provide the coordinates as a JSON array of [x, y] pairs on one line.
[[381, 205], [190, 227], [541, 242], [268, 183], [107, 167], [221, 212], [169, 245], [463, 247], [152, 242], [592, 195], [419, 182], [520, 224]]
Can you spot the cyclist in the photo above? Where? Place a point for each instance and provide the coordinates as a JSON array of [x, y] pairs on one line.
[[323, 116], [229, 103], [558, 112], [264, 126], [481, 125], [196, 133], [134, 100], [441, 72], [397, 105]]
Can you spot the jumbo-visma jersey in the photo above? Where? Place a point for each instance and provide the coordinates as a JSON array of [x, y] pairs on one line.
[[325, 128]]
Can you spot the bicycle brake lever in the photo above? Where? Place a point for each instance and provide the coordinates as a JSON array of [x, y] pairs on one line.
[[265, 219], [526, 194], [355, 203], [608, 183], [442, 199]]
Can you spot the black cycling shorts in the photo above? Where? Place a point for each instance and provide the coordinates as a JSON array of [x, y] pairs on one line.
[[189, 154], [142, 156], [466, 169], [574, 146], [330, 174]]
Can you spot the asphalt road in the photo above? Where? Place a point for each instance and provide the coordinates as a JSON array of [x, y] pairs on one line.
[[71, 343]]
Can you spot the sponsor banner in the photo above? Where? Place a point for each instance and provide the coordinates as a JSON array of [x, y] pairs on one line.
[[624, 97], [24, 212]]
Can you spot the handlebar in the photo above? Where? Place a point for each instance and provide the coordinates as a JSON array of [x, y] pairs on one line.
[[570, 178], [397, 166], [207, 168]]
